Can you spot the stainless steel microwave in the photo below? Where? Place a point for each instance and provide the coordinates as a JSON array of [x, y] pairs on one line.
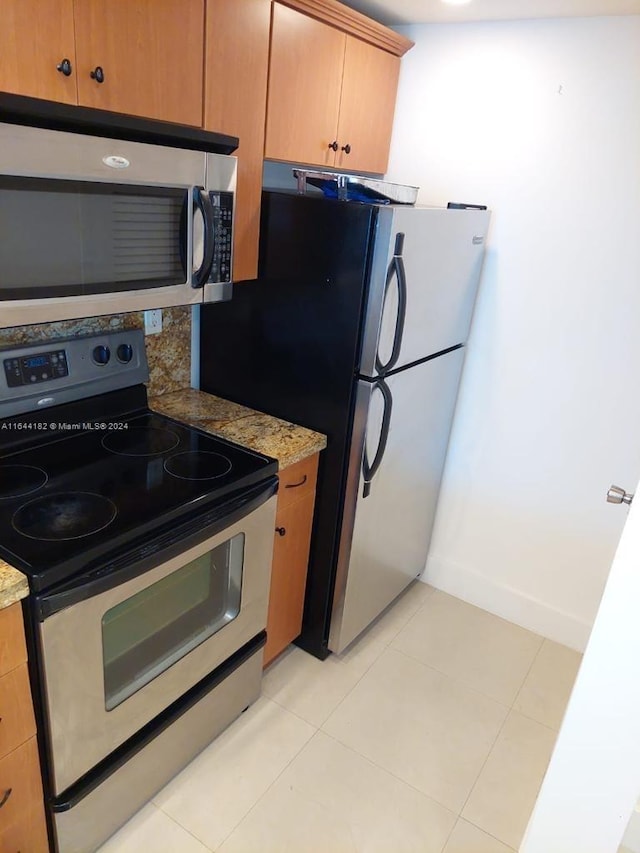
[[92, 226]]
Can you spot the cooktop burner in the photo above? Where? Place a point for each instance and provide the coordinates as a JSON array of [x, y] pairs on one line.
[[197, 465], [16, 481], [64, 516], [141, 441]]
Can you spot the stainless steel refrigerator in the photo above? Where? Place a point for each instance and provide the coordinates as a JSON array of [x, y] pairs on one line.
[[356, 328]]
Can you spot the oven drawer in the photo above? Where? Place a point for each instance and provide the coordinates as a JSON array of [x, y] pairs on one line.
[[17, 722], [97, 808], [13, 650]]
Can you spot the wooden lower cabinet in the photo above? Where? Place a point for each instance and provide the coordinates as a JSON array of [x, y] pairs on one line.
[[294, 519], [22, 818], [26, 835]]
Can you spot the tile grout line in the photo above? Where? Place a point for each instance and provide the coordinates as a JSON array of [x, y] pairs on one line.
[[175, 820], [490, 834], [183, 828], [390, 773], [270, 786], [509, 712], [454, 678], [536, 656]]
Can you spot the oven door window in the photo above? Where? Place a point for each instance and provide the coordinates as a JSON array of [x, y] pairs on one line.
[[147, 633], [73, 238]]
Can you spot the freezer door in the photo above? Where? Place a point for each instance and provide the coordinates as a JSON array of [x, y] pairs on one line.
[[389, 511], [424, 278]]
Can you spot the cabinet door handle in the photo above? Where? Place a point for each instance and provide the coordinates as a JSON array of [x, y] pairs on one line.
[[65, 67], [97, 74], [333, 145], [295, 485], [346, 148], [7, 794], [281, 531]]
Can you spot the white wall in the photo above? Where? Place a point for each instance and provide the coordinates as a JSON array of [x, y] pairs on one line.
[[540, 120]]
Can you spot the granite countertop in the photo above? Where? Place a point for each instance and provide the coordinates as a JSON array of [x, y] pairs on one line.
[[286, 442], [13, 585]]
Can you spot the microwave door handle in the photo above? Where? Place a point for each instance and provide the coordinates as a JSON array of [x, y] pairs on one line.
[[202, 202]]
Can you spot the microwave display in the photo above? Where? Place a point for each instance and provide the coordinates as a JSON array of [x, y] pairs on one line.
[[69, 238]]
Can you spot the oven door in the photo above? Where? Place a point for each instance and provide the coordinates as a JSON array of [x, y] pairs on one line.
[[125, 641]]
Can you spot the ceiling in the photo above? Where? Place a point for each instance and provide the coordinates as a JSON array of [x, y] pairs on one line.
[[434, 11]]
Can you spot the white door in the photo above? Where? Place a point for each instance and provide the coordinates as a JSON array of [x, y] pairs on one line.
[[593, 780]]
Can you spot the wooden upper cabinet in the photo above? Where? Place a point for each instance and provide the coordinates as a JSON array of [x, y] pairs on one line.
[[333, 78], [367, 104], [35, 38], [305, 80], [235, 102], [150, 53]]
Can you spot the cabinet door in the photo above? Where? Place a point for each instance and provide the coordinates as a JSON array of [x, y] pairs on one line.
[[369, 87], [296, 499], [28, 834], [150, 53], [305, 79], [16, 711], [288, 575], [13, 649], [20, 782], [35, 38], [236, 69]]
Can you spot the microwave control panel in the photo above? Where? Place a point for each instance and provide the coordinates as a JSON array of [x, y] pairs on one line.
[[35, 368], [222, 203]]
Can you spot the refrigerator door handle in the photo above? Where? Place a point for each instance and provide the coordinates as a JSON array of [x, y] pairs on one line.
[[369, 470], [396, 270]]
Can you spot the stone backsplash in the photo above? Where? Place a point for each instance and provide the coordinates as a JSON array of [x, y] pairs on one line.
[[168, 353]]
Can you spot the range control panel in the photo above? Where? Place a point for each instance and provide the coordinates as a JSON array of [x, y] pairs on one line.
[[35, 368], [36, 376]]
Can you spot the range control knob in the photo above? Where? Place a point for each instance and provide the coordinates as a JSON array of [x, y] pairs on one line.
[[101, 354], [125, 353]]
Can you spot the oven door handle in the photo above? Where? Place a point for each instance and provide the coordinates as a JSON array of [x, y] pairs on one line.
[[151, 552]]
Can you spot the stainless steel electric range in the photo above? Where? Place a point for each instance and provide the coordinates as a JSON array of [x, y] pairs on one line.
[[147, 545]]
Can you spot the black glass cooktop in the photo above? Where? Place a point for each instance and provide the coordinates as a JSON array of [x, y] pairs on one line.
[[71, 498]]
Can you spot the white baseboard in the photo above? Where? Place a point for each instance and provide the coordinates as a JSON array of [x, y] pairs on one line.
[[507, 602]]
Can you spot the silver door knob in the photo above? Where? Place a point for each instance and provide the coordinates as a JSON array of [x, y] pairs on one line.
[[616, 495]]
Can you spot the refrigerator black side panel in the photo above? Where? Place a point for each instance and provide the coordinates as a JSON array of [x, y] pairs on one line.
[[289, 343]]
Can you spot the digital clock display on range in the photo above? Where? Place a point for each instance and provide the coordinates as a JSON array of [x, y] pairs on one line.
[[32, 369], [36, 361]]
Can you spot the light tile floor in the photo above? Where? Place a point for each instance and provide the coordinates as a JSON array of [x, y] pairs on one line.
[[430, 734]]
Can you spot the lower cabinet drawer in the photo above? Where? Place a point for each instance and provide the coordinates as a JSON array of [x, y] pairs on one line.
[[28, 834], [17, 722], [297, 481], [20, 784]]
